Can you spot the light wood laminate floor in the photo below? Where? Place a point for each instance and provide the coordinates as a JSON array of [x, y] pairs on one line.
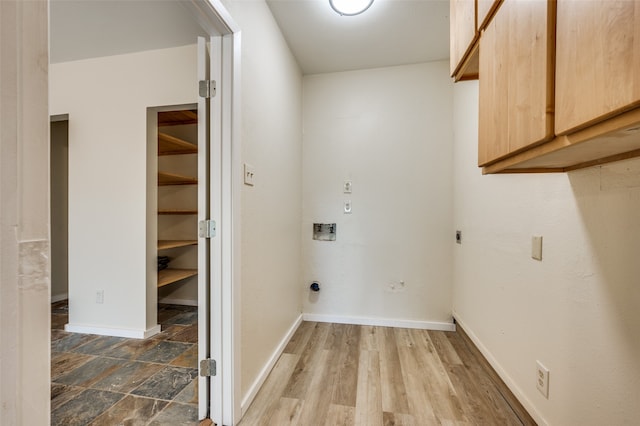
[[335, 374]]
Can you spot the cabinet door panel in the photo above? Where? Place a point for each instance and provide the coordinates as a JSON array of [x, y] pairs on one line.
[[516, 79], [598, 61], [462, 30], [493, 109], [485, 9]]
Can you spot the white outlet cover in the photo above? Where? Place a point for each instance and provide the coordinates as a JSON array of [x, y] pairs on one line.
[[347, 187], [542, 379], [347, 207]]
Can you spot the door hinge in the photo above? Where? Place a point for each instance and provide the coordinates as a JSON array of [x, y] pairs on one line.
[[207, 228], [208, 367], [207, 88]]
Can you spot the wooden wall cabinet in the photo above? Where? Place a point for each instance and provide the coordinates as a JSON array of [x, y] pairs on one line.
[[463, 40], [516, 79], [559, 84], [598, 71]]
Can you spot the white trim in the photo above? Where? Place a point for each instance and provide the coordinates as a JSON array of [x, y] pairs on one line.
[[116, 332], [264, 373], [506, 378], [183, 302], [383, 322], [59, 297]]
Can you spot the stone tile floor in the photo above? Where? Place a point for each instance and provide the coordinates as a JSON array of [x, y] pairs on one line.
[[102, 380]]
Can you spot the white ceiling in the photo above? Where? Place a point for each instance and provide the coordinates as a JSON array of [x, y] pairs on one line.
[[82, 29], [391, 32]]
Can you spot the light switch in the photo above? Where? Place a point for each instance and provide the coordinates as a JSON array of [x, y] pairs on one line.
[[536, 247], [249, 174]]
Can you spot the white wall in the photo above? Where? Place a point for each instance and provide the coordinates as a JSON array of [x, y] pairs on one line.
[[271, 210], [25, 273], [388, 131], [577, 310], [107, 100]]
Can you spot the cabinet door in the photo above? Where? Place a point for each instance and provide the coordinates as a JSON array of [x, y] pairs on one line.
[[462, 29], [485, 9], [598, 61], [516, 79]]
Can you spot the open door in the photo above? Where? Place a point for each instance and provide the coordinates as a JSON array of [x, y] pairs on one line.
[[210, 390]]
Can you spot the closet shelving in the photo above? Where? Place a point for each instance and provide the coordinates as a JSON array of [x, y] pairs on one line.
[[169, 145]]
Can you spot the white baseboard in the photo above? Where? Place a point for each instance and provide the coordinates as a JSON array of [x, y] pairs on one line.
[[116, 332], [184, 302], [264, 373], [506, 378], [383, 322], [59, 297]]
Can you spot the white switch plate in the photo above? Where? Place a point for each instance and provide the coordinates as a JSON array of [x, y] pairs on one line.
[[100, 297], [347, 187], [249, 174], [542, 379], [536, 247], [347, 207]]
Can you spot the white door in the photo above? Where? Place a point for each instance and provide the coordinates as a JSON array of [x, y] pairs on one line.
[[209, 209]]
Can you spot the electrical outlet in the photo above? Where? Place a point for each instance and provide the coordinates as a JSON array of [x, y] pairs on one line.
[[347, 187], [459, 237], [347, 207], [542, 379], [100, 297]]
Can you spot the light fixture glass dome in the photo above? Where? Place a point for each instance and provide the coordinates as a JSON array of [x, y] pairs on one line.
[[350, 7]]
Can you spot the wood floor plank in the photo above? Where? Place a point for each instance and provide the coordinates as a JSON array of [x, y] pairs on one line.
[[319, 400], [299, 340], [398, 419], [501, 387], [492, 399], [394, 393], [419, 405], [265, 402], [345, 388], [287, 412], [340, 415], [369, 396], [443, 347], [298, 385], [440, 390], [369, 336]]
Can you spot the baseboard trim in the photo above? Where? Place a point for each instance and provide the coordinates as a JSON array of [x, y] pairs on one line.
[[382, 322], [183, 302], [264, 373], [59, 297], [467, 333], [116, 332]]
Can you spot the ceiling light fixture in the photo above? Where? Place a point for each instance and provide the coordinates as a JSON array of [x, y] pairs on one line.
[[350, 7]]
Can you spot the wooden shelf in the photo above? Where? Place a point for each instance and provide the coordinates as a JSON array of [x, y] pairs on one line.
[[169, 244], [170, 145], [174, 118], [165, 179], [169, 276], [177, 212]]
